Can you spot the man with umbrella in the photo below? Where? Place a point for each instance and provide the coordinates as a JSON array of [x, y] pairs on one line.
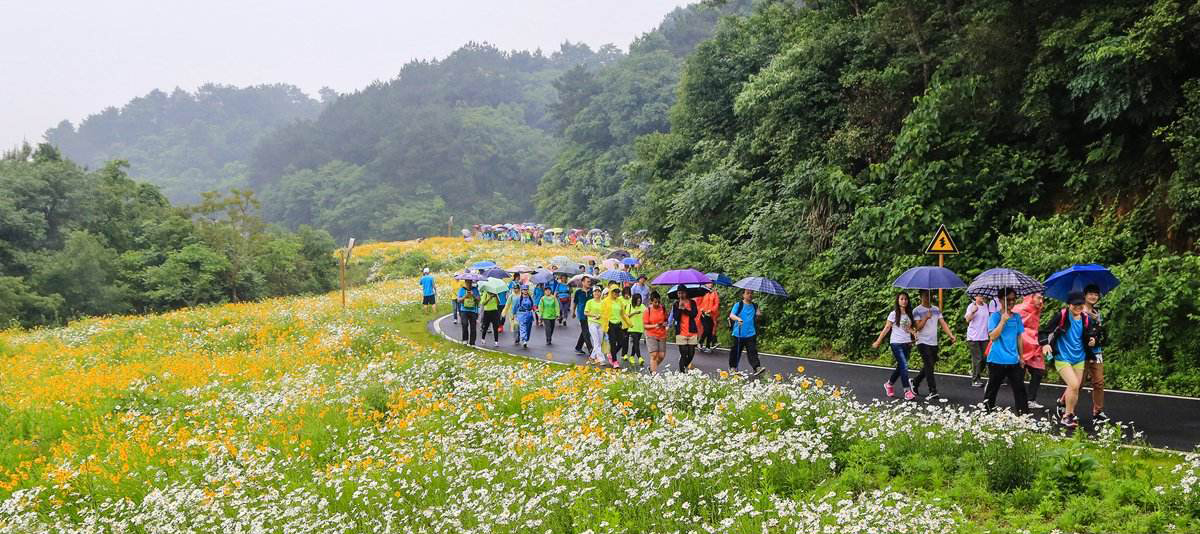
[[1004, 358]]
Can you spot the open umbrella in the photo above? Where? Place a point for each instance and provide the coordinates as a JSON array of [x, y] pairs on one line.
[[681, 276], [577, 279], [543, 277], [631, 262], [496, 272], [1076, 278], [929, 278], [990, 282], [571, 269], [761, 284], [617, 276], [520, 269], [595, 231], [555, 230], [611, 264], [588, 258], [494, 285], [692, 290], [481, 265], [619, 254], [469, 276], [561, 261], [721, 279]]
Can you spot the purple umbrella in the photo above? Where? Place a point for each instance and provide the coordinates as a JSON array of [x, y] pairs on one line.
[[681, 276], [929, 278], [496, 272], [470, 276]]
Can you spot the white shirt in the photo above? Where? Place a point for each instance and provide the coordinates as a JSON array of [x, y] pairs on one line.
[[928, 334], [900, 329]]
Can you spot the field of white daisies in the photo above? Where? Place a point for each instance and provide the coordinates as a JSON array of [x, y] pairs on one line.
[[292, 415]]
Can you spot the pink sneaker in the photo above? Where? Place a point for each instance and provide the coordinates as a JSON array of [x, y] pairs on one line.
[[891, 391], [909, 395], [615, 364]]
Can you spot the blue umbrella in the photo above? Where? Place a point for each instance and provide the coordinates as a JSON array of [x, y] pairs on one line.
[[496, 272], [762, 285], [631, 262], [481, 265], [1075, 278], [721, 279], [614, 275], [990, 282], [929, 278]]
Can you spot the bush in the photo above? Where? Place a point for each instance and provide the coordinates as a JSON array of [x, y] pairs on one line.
[[1009, 467]]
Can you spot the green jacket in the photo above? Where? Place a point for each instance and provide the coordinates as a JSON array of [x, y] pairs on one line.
[[548, 307]]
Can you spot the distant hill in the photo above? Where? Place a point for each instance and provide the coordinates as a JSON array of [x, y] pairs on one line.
[[185, 142]]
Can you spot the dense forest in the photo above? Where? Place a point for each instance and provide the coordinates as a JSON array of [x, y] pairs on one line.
[[75, 242], [824, 144], [186, 143]]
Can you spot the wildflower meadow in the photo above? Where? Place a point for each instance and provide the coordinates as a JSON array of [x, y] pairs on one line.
[[294, 415]]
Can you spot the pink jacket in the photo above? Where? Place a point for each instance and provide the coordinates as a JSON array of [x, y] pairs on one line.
[[1031, 314]]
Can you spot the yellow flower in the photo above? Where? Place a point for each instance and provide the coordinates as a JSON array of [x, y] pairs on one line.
[[800, 369]]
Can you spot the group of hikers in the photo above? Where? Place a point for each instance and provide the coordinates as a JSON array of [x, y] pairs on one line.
[[538, 234], [615, 319], [1006, 337]]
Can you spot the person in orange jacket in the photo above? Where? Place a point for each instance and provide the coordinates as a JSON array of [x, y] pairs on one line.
[[1030, 311], [710, 308]]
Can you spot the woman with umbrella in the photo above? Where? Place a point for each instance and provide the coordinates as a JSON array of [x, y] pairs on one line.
[[491, 305], [468, 297], [1093, 280], [744, 317], [687, 327], [1004, 356]]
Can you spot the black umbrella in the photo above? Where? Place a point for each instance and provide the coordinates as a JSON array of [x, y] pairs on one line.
[[619, 255]]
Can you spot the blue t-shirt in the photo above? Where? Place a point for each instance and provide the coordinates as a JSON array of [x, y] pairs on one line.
[[562, 290], [1004, 348], [1070, 346], [427, 286], [462, 295], [582, 296], [503, 298], [747, 312]]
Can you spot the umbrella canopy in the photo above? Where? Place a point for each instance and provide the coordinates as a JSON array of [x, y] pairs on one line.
[[761, 284], [496, 272], [555, 230], [520, 269], [721, 279], [631, 261], [619, 254], [469, 276], [589, 258], [494, 285], [561, 261], [611, 264], [990, 282], [692, 290], [681, 276], [617, 276], [481, 265], [543, 277], [1076, 278], [929, 278], [569, 269], [594, 231], [577, 279]]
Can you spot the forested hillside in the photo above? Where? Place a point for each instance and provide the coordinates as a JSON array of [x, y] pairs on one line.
[[824, 144], [186, 143]]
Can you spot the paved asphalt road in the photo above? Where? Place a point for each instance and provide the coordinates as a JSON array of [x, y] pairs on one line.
[[1166, 421]]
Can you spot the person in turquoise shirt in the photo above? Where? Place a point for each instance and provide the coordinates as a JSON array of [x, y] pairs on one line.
[[468, 295], [428, 292], [1003, 360]]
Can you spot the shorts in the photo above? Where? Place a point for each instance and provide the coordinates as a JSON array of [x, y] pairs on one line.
[[656, 345], [687, 340], [1059, 365], [429, 299]]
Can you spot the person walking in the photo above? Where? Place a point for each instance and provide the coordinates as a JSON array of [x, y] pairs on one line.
[[926, 320], [899, 324], [745, 316], [596, 321], [1068, 337], [490, 303], [548, 310], [640, 288], [611, 309], [580, 300], [977, 335], [710, 306], [687, 328], [428, 292], [1004, 357], [1030, 311], [514, 291], [524, 308], [1093, 367], [562, 290], [468, 297], [634, 318], [654, 319], [539, 291]]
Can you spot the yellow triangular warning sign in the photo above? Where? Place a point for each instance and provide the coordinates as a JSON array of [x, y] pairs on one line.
[[942, 243]]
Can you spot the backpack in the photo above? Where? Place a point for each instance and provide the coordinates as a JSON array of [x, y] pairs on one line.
[[737, 310], [469, 300]]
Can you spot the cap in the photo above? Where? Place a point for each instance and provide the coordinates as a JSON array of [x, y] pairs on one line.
[[426, 270], [1075, 297]]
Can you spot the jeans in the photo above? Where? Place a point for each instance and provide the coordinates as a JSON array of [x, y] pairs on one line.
[[978, 358], [735, 354], [455, 309], [708, 331], [563, 304], [929, 355], [491, 318], [1015, 375], [1035, 381], [549, 330], [584, 338], [900, 352], [467, 319]]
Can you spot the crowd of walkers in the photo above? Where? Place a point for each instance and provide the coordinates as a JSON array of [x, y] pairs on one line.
[[1008, 340]]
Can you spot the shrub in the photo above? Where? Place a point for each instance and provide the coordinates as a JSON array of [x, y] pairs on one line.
[[1009, 466]]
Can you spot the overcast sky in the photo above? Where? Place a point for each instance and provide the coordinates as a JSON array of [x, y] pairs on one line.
[[68, 59]]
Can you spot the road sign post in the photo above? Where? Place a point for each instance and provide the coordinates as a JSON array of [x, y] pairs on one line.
[[342, 270], [941, 244]]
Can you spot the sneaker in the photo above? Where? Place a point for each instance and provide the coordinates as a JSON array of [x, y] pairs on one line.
[[1060, 409], [889, 389], [495, 343], [615, 364], [1100, 418], [932, 396], [524, 345], [1068, 420], [759, 371], [456, 321], [579, 352], [1035, 405], [977, 384], [909, 395]]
